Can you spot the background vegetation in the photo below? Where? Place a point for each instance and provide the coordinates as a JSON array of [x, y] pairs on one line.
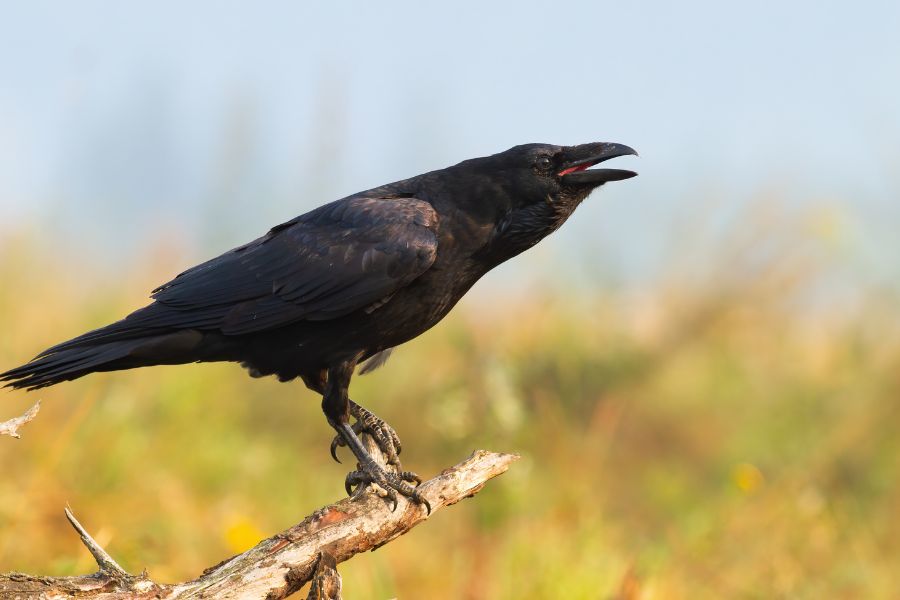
[[728, 430], [703, 385]]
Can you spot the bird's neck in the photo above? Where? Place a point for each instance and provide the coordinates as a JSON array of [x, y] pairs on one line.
[[519, 230]]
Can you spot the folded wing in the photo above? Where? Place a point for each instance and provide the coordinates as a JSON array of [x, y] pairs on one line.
[[345, 256]]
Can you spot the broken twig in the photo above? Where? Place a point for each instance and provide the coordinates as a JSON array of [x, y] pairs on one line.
[[11, 427]]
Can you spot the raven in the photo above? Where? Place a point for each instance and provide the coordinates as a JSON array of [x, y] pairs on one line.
[[343, 284]]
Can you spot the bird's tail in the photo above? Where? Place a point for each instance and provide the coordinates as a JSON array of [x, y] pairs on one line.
[[50, 368], [125, 344]]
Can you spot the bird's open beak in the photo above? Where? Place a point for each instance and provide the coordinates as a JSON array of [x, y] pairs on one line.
[[577, 161]]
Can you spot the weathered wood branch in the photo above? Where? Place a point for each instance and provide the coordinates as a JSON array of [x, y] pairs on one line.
[[11, 427], [280, 565]]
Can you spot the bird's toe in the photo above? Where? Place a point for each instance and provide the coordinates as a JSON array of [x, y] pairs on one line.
[[405, 483]]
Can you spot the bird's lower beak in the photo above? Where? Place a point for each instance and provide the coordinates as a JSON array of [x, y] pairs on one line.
[[578, 160]]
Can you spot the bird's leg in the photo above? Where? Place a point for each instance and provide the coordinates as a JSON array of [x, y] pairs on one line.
[[336, 406], [383, 434]]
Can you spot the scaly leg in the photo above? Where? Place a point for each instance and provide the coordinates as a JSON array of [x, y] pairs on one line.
[[336, 406]]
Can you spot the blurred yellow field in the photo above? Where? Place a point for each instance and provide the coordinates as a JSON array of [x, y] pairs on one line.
[[718, 435]]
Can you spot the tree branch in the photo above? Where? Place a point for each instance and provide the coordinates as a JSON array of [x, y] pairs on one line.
[[280, 565], [11, 427]]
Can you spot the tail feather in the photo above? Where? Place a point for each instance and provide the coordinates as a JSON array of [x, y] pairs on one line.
[[130, 328], [149, 336], [153, 335], [65, 365]]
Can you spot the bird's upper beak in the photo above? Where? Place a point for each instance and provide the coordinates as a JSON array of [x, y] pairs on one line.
[[576, 161]]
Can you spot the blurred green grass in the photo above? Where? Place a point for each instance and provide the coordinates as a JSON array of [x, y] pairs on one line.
[[713, 435]]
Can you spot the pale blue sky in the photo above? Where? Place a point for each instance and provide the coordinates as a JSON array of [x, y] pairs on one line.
[[116, 116]]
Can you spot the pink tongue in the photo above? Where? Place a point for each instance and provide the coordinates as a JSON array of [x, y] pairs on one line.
[[573, 170]]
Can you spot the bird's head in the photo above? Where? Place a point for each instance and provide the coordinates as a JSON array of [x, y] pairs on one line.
[[560, 175], [536, 187]]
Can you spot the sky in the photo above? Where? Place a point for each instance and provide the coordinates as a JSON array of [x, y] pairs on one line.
[[211, 121]]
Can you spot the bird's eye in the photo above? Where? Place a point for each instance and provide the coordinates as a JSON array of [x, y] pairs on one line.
[[543, 163]]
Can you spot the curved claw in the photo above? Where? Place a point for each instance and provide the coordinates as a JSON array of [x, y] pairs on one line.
[[392, 496], [334, 446], [422, 500]]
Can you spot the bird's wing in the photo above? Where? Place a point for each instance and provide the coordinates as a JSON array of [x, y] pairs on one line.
[[345, 256]]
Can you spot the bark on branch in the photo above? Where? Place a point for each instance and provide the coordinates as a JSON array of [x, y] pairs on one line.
[[283, 563]]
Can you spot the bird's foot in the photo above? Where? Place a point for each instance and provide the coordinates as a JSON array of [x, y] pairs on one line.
[[389, 477], [391, 483], [383, 434]]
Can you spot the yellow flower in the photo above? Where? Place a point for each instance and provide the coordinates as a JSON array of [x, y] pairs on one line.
[[241, 534], [748, 478]]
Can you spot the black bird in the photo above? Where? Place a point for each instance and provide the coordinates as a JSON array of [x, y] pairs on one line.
[[343, 284]]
